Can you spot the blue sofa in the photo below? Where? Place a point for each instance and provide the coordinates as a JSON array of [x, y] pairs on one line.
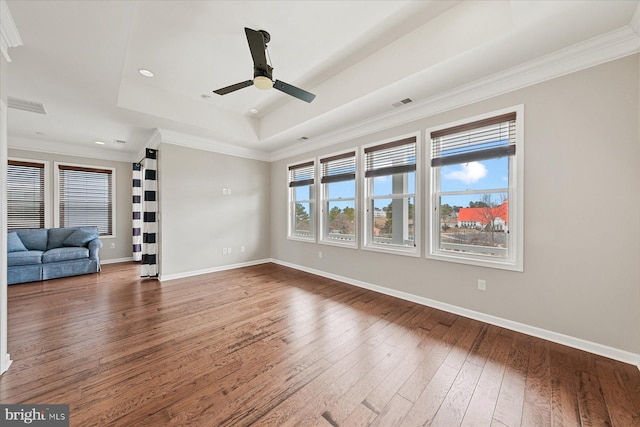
[[41, 254]]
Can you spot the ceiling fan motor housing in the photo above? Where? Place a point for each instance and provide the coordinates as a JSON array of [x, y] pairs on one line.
[[259, 72]]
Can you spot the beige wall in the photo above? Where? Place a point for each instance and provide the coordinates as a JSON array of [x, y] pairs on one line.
[[581, 221], [197, 220], [122, 241]]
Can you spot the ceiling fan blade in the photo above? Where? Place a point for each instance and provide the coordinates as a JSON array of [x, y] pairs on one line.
[[257, 47], [294, 91], [233, 88]]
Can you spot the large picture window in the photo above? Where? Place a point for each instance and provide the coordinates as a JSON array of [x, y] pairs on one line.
[[26, 194], [85, 197], [302, 201], [391, 216], [338, 179], [474, 192]]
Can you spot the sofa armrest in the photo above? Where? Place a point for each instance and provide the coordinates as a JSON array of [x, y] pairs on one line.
[[94, 247]]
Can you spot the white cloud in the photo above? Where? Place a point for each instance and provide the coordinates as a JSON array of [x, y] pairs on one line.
[[469, 173]]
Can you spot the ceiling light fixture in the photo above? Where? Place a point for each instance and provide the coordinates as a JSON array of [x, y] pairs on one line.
[[254, 111], [262, 82], [98, 142], [145, 72]]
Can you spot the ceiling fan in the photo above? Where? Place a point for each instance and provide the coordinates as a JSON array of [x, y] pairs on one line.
[[263, 72]]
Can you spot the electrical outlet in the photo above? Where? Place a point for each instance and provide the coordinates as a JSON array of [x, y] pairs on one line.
[[482, 285], [228, 250], [112, 245], [241, 248], [224, 251], [320, 254]]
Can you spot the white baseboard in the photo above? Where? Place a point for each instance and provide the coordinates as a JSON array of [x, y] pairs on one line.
[[591, 347], [166, 277], [5, 363], [116, 260]]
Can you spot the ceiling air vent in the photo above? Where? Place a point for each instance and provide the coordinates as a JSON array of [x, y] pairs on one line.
[[303, 138], [403, 102], [119, 141], [24, 105]]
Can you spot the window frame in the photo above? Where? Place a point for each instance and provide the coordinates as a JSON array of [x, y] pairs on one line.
[[514, 261], [56, 205], [368, 242], [323, 223], [312, 204], [47, 185]]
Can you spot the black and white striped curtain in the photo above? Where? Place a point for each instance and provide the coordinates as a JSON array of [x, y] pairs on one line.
[[149, 266], [137, 212], [145, 214]]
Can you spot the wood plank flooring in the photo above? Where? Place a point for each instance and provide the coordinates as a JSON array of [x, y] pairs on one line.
[[271, 346]]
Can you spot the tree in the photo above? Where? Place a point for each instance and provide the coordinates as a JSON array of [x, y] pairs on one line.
[[302, 218], [333, 213], [388, 225], [488, 212]]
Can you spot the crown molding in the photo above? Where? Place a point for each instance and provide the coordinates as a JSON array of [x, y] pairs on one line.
[[190, 141], [608, 47], [9, 35], [65, 149]]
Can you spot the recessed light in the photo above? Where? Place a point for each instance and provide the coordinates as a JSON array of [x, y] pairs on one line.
[[99, 142], [145, 72], [254, 111]]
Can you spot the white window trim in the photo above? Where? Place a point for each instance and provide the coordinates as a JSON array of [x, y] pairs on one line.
[[366, 189], [56, 202], [312, 214], [321, 198], [48, 215], [516, 201]]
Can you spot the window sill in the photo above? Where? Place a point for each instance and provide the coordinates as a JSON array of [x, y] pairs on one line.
[[348, 245], [404, 251], [302, 239], [479, 262]]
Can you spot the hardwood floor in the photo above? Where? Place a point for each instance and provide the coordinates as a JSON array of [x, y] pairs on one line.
[[272, 346]]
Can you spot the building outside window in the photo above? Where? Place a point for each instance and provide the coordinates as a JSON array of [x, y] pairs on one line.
[[391, 202], [476, 184], [302, 201]]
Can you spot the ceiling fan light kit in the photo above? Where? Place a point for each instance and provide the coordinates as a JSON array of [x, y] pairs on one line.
[[262, 71]]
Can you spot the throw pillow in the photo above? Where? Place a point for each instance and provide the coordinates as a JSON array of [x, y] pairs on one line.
[[79, 238], [14, 244]]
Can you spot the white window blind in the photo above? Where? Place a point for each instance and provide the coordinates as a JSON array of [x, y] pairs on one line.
[[301, 175], [475, 141], [391, 158], [341, 167], [25, 195], [85, 198]]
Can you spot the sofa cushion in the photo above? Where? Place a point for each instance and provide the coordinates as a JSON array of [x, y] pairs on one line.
[[14, 244], [24, 258], [34, 239], [65, 254], [80, 237], [58, 235]]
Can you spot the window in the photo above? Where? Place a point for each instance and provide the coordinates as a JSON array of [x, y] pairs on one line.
[[302, 201], [25, 194], [338, 178], [391, 207], [475, 191], [85, 197]]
